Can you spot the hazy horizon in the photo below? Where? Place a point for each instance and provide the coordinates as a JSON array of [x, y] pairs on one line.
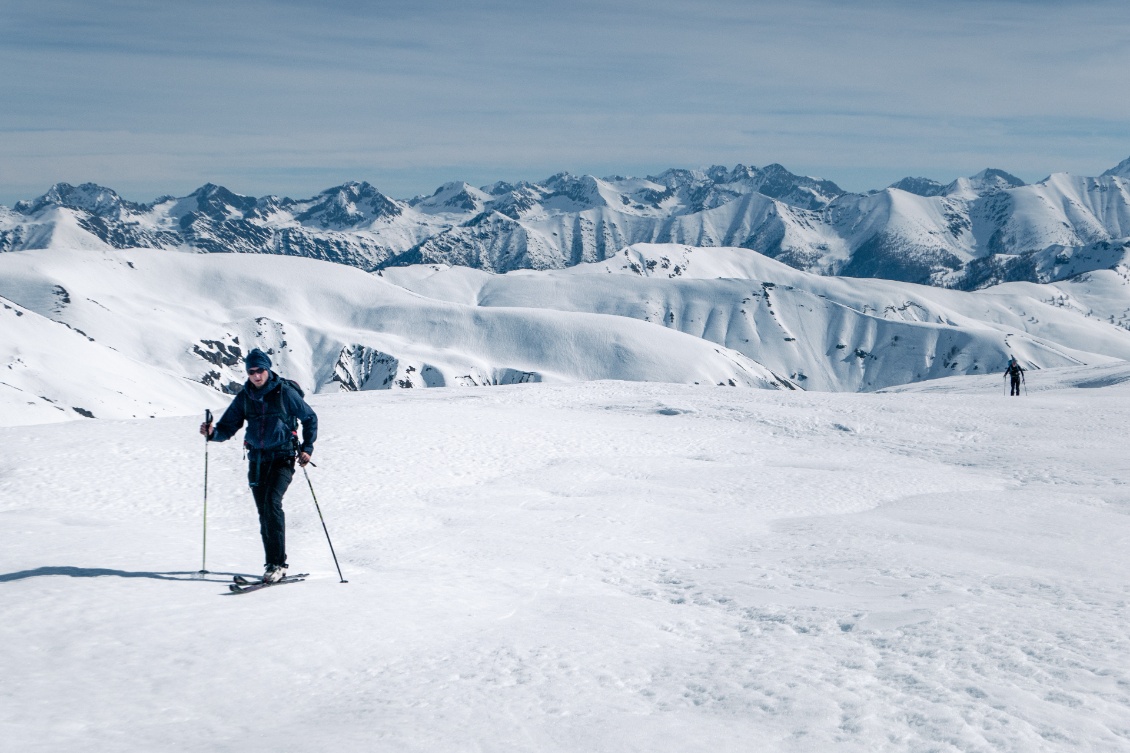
[[279, 97]]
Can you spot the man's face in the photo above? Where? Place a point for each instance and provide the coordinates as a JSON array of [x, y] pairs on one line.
[[257, 377]]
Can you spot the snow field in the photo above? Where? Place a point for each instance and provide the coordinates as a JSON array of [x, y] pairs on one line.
[[601, 566]]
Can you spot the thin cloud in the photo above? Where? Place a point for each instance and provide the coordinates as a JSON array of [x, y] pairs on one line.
[[400, 93]]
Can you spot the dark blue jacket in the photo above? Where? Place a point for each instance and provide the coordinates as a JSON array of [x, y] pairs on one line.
[[266, 412]]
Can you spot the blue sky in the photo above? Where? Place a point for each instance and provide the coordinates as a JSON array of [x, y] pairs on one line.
[[273, 96]]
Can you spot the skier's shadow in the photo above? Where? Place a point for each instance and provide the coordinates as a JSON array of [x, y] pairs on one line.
[[98, 572]]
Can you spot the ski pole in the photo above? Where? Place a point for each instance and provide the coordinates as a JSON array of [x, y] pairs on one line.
[[204, 552], [319, 509]]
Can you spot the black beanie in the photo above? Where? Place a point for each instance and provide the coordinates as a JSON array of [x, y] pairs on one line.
[[257, 359]]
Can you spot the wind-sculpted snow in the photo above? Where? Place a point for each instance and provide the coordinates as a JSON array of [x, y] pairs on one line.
[[826, 333], [612, 566], [968, 234], [139, 333]]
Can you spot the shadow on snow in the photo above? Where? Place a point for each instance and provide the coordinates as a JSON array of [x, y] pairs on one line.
[[97, 572]]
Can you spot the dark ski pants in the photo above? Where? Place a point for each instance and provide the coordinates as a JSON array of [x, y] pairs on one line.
[[269, 479], [1015, 387]]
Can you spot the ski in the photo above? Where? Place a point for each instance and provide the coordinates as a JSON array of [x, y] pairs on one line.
[[245, 582], [238, 589], [242, 585]]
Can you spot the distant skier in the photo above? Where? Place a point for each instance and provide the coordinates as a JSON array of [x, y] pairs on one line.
[[1016, 374], [272, 407]]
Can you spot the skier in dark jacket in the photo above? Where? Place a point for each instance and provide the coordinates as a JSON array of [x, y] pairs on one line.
[[272, 408], [1016, 373]]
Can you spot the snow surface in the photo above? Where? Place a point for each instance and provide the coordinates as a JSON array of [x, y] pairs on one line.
[[586, 567]]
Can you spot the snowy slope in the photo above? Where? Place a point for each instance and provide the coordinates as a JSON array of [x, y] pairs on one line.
[[53, 372], [1063, 210], [157, 325], [154, 314], [597, 567], [827, 333], [653, 313], [898, 235]]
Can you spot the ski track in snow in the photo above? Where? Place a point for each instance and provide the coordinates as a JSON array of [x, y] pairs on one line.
[[594, 567]]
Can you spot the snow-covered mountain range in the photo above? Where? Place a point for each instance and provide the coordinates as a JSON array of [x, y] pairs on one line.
[[146, 332], [969, 234]]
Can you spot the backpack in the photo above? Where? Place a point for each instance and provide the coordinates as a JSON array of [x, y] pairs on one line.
[[276, 407]]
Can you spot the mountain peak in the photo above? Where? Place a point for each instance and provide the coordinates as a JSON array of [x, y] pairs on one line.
[[720, 174], [582, 190], [919, 186], [457, 197], [1121, 170], [778, 182], [988, 181], [88, 197], [777, 168], [353, 189], [677, 177], [993, 176], [218, 202], [349, 205]]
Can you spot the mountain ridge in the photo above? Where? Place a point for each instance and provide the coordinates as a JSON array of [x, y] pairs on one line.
[[972, 232]]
